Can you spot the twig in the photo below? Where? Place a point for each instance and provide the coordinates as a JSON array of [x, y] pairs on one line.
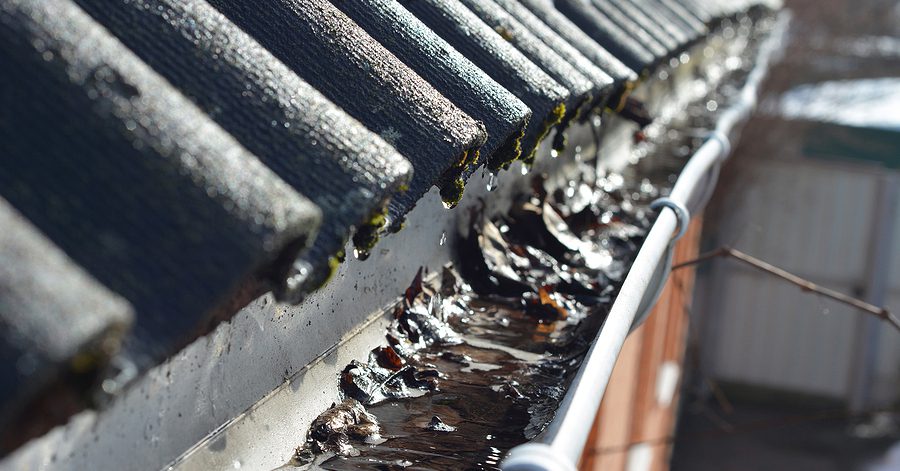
[[719, 395], [804, 284]]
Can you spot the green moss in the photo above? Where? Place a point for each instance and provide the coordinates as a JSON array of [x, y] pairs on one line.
[[84, 362], [334, 262], [452, 192], [368, 234], [510, 151], [584, 107], [617, 103], [504, 33], [476, 156], [555, 118]]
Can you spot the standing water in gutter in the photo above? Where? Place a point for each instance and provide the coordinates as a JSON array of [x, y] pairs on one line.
[[477, 359]]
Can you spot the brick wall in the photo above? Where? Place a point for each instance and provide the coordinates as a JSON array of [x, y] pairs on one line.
[[631, 412]]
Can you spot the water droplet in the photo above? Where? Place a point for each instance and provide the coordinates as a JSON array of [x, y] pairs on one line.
[[525, 169], [554, 153], [492, 182], [443, 238], [711, 105]]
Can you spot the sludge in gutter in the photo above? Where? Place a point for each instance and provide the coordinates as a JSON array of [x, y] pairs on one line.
[[478, 358]]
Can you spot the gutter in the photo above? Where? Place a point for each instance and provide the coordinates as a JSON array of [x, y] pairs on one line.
[[561, 446]]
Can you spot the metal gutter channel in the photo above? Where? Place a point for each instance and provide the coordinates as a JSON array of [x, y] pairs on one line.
[[562, 444]]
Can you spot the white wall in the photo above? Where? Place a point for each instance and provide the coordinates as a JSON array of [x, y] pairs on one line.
[[812, 218]]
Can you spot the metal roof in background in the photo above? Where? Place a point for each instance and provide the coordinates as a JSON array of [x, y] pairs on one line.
[[164, 162]]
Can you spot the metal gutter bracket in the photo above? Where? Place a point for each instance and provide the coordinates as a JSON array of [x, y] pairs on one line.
[[661, 274], [681, 212], [722, 138]]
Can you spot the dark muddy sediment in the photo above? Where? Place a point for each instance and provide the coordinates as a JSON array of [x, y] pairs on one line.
[[478, 357]]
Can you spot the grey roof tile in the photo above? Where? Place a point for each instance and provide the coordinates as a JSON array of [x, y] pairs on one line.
[[502, 61], [59, 327], [660, 17], [702, 10], [682, 14], [570, 32], [451, 73], [660, 44], [624, 45], [335, 55], [602, 80], [134, 182], [316, 147], [581, 89]]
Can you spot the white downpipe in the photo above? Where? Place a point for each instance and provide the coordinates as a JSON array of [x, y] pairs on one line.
[[561, 445]]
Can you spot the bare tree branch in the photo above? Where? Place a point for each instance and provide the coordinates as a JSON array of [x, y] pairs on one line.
[[804, 284]]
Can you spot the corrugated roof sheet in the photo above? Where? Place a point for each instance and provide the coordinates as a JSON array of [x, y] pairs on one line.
[[624, 41], [314, 146], [569, 31], [501, 60], [658, 17], [132, 181], [58, 325], [581, 89], [601, 80], [351, 68], [451, 73], [166, 161]]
